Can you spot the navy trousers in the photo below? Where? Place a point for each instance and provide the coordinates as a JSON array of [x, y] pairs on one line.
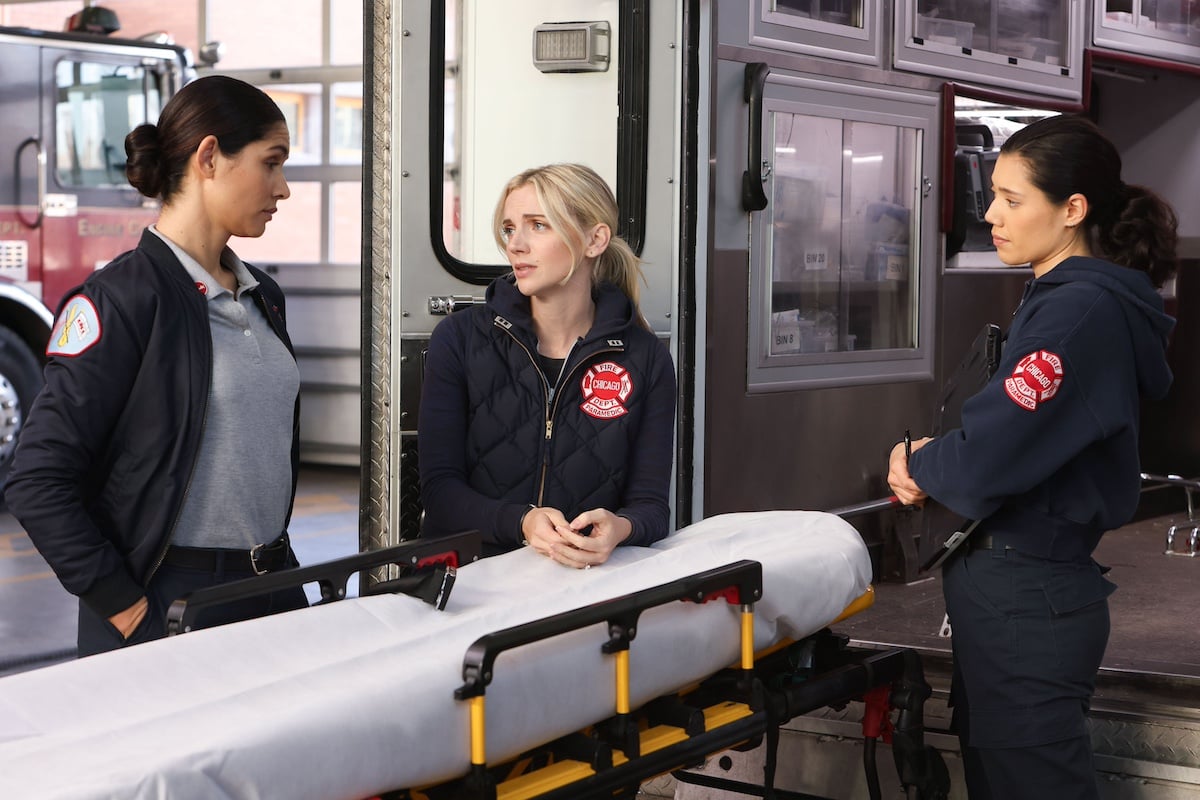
[[98, 635], [1028, 638]]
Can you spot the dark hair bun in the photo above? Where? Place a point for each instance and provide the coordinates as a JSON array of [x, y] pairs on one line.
[[144, 161]]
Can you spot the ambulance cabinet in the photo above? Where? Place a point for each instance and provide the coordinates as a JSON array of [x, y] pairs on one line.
[[1167, 29], [838, 273], [848, 30], [1035, 48]]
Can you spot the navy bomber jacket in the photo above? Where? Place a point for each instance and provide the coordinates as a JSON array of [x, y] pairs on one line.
[[105, 459], [495, 437], [1047, 455]]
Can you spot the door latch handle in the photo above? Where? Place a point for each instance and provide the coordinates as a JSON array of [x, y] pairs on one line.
[[753, 196], [448, 304]]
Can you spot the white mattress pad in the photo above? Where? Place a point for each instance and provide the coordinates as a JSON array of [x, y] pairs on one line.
[[357, 697]]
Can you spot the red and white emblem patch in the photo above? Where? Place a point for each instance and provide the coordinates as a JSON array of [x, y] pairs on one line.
[[606, 388], [1035, 379], [77, 328], [202, 286]]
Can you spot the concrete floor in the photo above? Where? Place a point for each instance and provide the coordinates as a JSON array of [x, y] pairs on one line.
[[38, 616]]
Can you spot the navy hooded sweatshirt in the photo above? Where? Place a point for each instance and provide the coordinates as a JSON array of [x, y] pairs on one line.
[[1047, 454]]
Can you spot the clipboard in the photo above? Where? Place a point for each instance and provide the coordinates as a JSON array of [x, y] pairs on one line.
[[942, 530], [952, 543]]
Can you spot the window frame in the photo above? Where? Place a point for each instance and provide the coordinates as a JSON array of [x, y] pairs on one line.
[[779, 30], [1063, 81], [857, 103], [154, 74], [633, 65]]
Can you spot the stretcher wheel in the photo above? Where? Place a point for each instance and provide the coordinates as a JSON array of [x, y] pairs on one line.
[[933, 783], [1193, 541]]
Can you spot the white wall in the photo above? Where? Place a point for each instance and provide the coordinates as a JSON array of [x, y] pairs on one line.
[[515, 117]]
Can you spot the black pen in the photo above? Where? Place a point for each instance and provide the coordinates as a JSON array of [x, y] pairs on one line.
[[907, 454]]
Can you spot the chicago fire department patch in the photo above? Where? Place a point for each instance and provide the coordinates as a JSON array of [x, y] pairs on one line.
[[606, 388], [77, 329], [1035, 379]]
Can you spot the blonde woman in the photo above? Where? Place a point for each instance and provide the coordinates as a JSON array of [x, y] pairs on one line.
[[547, 414]]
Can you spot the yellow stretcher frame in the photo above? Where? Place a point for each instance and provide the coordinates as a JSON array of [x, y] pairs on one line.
[[618, 754], [739, 583]]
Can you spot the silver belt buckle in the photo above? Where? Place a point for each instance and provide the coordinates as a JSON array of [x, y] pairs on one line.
[[254, 560]]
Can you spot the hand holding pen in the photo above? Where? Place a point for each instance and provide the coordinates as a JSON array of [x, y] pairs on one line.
[[901, 482]]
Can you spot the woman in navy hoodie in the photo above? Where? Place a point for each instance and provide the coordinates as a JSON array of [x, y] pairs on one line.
[[547, 414], [1047, 457]]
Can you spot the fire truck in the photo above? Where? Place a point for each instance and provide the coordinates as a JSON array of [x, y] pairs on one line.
[[66, 209]]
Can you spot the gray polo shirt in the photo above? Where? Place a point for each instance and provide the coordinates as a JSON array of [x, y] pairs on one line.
[[242, 483]]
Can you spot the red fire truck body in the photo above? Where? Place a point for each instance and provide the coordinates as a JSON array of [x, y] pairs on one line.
[[66, 208]]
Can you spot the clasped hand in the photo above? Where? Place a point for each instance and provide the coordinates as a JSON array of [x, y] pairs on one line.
[[548, 532]]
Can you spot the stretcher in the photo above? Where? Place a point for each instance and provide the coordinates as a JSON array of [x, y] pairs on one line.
[[534, 681], [1191, 527]]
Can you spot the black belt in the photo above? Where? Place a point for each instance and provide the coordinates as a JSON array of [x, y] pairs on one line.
[[260, 559], [982, 541]]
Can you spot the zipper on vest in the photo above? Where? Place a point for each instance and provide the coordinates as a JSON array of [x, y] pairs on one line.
[[552, 411], [545, 406], [551, 406]]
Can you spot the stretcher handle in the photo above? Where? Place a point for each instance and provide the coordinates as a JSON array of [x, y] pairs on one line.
[[857, 510], [332, 576], [1171, 480], [740, 582]]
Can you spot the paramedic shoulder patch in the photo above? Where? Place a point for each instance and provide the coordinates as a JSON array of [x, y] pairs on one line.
[[1035, 379], [77, 329], [606, 388]]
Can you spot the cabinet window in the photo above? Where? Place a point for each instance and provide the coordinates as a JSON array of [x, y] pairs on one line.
[[1034, 48], [836, 12], [1169, 19], [1166, 28], [838, 273], [842, 241], [1005, 27], [846, 30]]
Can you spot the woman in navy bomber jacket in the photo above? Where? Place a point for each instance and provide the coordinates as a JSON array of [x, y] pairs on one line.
[[547, 414]]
